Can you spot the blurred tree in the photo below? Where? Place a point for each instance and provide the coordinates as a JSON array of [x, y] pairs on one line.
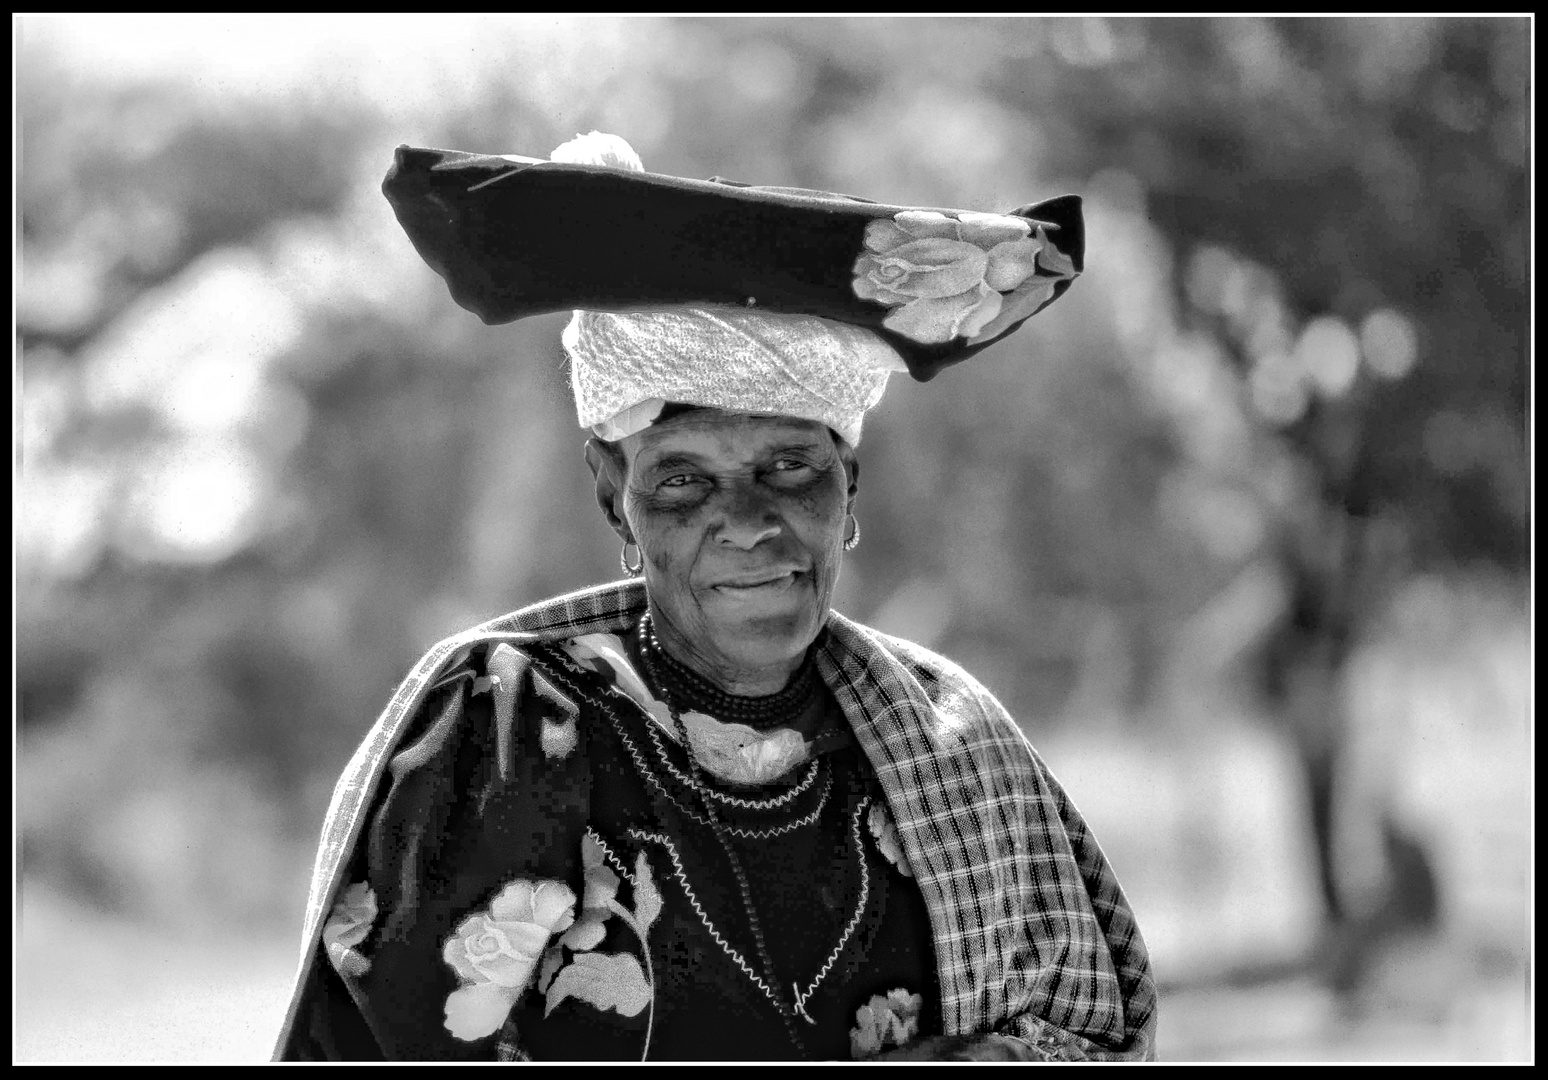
[[122, 189], [1374, 167], [158, 675], [123, 186], [1393, 156]]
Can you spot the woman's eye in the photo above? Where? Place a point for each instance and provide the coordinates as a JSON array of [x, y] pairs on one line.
[[789, 464], [679, 480]]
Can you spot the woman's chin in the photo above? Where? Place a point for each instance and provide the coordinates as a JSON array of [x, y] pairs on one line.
[[764, 621]]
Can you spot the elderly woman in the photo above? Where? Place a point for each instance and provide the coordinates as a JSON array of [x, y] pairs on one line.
[[698, 814]]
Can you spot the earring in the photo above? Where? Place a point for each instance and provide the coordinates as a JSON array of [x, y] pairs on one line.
[[623, 559], [854, 537]]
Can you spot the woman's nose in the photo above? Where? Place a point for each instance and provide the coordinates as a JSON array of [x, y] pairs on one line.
[[749, 520]]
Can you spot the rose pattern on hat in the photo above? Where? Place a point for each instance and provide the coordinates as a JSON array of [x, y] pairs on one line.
[[947, 277], [348, 925], [496, 954], [1031, 294]]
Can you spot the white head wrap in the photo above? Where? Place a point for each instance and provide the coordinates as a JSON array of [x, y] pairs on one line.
[[624, 368]]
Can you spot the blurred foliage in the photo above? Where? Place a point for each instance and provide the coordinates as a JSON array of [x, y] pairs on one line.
[[266, 461]]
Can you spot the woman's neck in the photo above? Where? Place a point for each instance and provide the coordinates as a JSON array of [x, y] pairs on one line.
[[742, 681], [808, 711]]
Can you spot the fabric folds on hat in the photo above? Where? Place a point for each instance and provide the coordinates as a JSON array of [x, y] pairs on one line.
[[771, 300], [624, 366], [517, 236]]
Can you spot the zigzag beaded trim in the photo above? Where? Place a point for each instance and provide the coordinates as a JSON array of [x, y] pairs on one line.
[[623, 871], [799, 997], [763, 833], [854, 920]]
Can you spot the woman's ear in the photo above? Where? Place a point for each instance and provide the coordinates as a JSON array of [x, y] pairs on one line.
[[851, 471], [607, 469]]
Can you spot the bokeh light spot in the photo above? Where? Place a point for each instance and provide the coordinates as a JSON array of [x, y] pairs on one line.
[[197, 502], [1388, 343], [1279, 389], [1329, 354]]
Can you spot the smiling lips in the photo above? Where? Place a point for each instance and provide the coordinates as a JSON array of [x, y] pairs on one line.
[[763, 581]]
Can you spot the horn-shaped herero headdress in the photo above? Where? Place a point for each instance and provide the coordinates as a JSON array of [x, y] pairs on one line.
[[714, 293]]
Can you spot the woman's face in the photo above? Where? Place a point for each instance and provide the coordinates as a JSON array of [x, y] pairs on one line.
[[740, 519]]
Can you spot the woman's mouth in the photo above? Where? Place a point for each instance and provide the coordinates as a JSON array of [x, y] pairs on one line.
[[757, 585]]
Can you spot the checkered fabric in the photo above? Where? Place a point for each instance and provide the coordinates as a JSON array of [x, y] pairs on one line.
[[1034, 938]]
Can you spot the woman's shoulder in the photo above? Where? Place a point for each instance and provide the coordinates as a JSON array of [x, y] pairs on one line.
[[483, 686], [605, 608], [924, 664], [931, 669], [513, 637], [951, 689]]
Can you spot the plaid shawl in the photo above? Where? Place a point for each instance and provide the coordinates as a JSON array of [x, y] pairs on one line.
[[1034, 938]]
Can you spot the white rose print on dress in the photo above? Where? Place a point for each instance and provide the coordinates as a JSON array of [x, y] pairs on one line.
[[495, 955]]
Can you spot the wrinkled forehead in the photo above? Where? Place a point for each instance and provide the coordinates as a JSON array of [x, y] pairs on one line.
[[718, 435]]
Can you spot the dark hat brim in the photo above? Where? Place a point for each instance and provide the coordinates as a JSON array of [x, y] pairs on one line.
[[515, 237]]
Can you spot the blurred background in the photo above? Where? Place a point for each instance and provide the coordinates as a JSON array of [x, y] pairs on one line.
[[1238, 529]]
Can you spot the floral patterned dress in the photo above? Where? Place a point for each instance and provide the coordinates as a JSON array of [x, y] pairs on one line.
[[642, 946]]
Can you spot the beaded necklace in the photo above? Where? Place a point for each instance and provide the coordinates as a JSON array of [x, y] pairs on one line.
[[694, 693]]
